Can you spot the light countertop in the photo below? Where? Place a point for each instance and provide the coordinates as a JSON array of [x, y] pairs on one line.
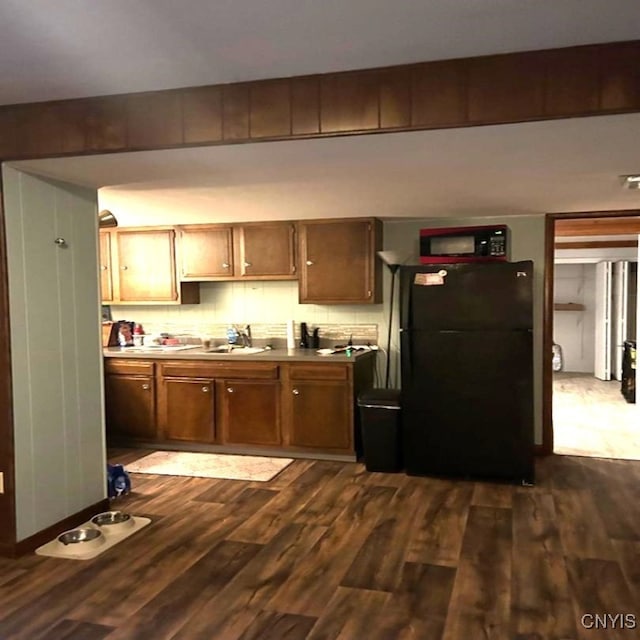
[[269, 355]]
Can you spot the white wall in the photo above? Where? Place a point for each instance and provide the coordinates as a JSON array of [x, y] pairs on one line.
[[574, 331], [56, 350]]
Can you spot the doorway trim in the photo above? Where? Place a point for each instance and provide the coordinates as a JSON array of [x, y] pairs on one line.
[[546, 448]]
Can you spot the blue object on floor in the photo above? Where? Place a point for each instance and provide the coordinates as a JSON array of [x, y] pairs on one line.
[[118, 481]]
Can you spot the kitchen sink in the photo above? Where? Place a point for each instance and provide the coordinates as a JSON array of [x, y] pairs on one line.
[[236, 351]]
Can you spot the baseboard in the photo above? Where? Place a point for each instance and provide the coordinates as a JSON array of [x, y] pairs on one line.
[[37, 539], [248, 450]]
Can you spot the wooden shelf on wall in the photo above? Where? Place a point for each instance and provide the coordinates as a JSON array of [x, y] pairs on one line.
[[568, 306]]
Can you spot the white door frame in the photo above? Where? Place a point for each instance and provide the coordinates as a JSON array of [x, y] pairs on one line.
[[602, 360], [620, 317]]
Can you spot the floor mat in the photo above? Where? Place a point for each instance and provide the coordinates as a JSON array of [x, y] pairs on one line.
[[209, 465]]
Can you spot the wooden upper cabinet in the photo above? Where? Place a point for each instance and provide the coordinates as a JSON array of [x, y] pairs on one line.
[[265, 251], [206, 252], [257, 251], [145, 264], [338, 263], [106, 286]]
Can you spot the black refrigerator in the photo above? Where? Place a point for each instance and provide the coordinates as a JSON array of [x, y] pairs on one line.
[[466, 348]]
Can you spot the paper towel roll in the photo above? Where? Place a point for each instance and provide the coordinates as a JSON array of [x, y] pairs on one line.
[[291, 340]]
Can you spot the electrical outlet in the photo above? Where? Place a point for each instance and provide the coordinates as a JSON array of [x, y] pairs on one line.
[[1, 481]]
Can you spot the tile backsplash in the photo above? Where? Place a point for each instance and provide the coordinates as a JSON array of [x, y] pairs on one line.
[[266, 305]]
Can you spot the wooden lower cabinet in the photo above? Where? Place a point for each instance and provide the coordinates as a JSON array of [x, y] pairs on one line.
[[320, 414], [130, 406], [296, 406], [249, 411], [186, 409]]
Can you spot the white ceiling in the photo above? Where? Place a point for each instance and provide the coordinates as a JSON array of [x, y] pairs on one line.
[[71, 48]]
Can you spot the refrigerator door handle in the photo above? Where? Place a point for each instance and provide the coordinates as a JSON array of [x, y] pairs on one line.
[[405, 297], [405, 354]]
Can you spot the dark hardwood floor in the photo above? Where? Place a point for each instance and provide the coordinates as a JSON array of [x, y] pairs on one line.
[[327, 550]]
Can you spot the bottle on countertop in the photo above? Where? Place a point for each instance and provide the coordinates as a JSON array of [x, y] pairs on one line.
[[138, 334], [304, 336], [315, 339], [232, 334], [291, 341]]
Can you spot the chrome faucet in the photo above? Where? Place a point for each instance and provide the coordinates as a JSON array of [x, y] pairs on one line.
[[245, 336]]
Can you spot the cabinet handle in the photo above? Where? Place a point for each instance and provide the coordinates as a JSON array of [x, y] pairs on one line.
[[124, 267], [103, 267], [230, 389], [205, 389], [296, 392], [247, 264], [225, 265], [146, 387], [309, 263]]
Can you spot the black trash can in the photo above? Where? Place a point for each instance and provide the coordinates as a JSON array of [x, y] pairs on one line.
[[380, 427]]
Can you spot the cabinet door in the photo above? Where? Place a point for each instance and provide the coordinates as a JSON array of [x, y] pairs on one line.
[[250, 411], [206, 253], [338, 262], [146, 266], [321, 414], [266, 250], [130, 406], [106, 287], [186, 409]]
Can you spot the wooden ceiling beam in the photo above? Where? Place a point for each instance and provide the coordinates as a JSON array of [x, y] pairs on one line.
[[597, 244], [597, 227]]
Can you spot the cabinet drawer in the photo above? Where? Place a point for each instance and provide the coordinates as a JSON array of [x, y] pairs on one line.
[[211, 369], [128, 367], [319, 372]]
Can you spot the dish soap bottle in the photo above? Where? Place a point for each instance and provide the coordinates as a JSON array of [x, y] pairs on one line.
[[232, 335]]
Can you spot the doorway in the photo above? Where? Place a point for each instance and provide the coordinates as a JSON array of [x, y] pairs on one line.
[[590, 326]]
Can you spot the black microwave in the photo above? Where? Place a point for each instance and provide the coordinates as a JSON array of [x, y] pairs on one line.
[[464, 244]]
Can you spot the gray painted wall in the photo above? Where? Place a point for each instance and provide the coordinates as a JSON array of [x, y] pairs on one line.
[[56, 350], [527, 243]]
